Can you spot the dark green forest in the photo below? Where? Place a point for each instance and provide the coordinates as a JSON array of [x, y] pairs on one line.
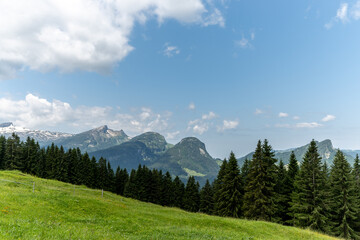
[[307, 195]]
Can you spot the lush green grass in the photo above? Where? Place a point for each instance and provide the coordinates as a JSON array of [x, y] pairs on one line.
[[55, 212]]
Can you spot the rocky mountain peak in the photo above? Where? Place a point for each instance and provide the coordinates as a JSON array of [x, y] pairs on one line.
[[7, 124]]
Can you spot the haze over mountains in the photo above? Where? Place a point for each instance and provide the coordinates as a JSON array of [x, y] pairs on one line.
[[188, 157]]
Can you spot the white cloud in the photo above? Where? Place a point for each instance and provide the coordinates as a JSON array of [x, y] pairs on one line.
[[200, 129], [299, 125], [328, 118], [355, 12], [170, 51], [252, 35], [39, 113], [200, 126], [296, 117], [227, 124], [282, 114], [285, 125], [208, 116], [214, 18], [258, 111], [87, 35], [342, 14], [308, 125], [172, 135], [191, 106], [243, 43]]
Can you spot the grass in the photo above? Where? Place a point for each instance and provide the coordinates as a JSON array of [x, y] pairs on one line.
[[53, 211]]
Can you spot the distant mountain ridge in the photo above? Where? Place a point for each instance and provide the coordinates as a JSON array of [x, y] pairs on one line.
[[325, 148], [188, 157], [43, 137], [94, 139]]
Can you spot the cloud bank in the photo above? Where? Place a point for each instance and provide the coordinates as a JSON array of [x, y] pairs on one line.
[[87, 35], [39, 113]]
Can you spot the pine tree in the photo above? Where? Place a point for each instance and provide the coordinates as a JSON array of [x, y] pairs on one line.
[[230, 200], [283, 191], [217, 184], [130, 187], [179, 189], [293, 169], [207, 198], [245, 172], [118, 180], [2, 151], [308, 204], [166, 190], [259, 192], [356, 173], [344, 200], [13, 153], [191, 198]]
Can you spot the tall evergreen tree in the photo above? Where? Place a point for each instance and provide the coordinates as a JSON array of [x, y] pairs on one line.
[[2, 151], [207, 199], [356, 173], [245, 172], [344, 200], [13, 153], [293, 169], [230, 200], [259, 192], [167, 191], [191, 199], [283, 191], [308, 204], [130, 187], [217, 185], [179, 189]]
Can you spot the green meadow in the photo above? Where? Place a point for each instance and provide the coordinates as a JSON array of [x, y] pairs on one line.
[[57, 210]]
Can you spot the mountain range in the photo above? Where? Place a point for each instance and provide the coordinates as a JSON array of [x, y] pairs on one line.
[[325, 149], [188, 157]]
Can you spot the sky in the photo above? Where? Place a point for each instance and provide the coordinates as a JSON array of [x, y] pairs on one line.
[[229, 72]]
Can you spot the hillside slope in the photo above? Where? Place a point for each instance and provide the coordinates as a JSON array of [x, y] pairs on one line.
[[58, 211]]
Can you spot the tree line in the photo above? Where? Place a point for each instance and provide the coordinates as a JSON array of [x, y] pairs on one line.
[[307, 195]]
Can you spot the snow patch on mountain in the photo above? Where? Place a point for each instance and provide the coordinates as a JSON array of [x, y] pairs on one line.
[[7, 129]]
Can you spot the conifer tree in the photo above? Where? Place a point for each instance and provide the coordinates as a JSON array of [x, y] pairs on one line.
[[2, 151], [62, 168], [344, 200], [293, 169], [217, 184], [13, 152], [244, 173], [356, 173], [230, 200], [207, 198], [191, 199], [179, 189], [283, 191], [166, 190], [259, 191], [308, 204], [130, 187]]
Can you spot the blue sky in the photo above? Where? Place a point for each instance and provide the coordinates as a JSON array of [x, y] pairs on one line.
[[227, 72]]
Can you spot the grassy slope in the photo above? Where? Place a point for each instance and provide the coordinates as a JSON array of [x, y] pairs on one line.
[[57, 213]]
